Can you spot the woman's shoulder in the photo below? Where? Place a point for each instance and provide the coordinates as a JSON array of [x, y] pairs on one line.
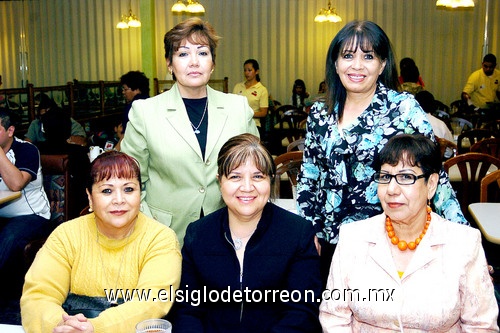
[[455, 231], [153, 228]]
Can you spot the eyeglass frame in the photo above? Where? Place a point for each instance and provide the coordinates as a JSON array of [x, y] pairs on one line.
[[414, 177]]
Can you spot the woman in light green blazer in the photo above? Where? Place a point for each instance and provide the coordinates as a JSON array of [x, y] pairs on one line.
[[176, 136]]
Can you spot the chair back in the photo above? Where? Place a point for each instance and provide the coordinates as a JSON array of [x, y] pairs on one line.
[[494, 127], [473, 167], [447, 147], [288, 163], [56, 182], [467, 138], [490, 187], [296, 145], [290, 120], [490, 146], [460, 125]]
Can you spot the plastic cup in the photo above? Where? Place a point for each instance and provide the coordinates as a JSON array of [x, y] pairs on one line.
[[154, 325]]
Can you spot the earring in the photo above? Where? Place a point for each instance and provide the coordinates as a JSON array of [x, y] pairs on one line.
[[91, 209]]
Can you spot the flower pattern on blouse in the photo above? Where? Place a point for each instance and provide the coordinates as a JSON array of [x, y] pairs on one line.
[[335, 185]]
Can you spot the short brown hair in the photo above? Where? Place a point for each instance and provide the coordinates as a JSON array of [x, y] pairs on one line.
[[196, 31], [113, 164], [242, 148]]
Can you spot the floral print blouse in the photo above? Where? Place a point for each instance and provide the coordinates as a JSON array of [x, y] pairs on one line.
[[335, 185]]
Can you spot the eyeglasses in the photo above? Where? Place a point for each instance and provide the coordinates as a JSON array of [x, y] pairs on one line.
[[126, 89], [401, 178]]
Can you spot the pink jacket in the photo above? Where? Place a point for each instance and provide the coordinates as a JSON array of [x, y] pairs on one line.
[[446, 286]]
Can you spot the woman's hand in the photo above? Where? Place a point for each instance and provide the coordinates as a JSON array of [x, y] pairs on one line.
[[74, 324]]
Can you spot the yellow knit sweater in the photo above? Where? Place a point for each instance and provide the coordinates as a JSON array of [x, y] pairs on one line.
[[73, 261]]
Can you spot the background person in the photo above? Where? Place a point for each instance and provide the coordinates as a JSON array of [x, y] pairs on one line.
[[116, 246], [344, 135], [26, 218], [35, 133], [177, 135], [408, 63], [253, 90], [428, 103], [135, 85], [299, 94], [249, 244], [483, 85], [436, 269]]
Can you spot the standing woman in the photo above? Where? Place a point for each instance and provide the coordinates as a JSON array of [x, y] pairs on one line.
[[253, 90], [345, 134], [176, 136]]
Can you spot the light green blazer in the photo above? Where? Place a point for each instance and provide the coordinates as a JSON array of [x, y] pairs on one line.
[[178, 183]]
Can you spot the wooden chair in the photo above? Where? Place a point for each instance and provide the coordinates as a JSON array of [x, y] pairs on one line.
[[288, 163], [448, 148], [290, 123], [473, 167], [494, 127], [490, 146], [56, 183], [296, 145], [490, 187], [467, 138]]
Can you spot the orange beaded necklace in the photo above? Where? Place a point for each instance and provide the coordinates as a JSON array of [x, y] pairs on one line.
[[402, 245]]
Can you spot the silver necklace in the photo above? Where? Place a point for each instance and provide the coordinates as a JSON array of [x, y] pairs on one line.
[[195, 129], [114, 302], [238, 241]]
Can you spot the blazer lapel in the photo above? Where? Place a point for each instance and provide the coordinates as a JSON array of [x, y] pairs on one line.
[[177, 116], [217, 118], [379, 248], [429, 247]]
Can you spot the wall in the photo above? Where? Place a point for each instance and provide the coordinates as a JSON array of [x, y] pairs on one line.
[[78, 39]]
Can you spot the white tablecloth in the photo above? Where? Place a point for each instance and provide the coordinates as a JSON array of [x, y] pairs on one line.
[[11, 328]]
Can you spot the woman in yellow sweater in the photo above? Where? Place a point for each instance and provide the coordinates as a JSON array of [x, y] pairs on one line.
[[103, 272]]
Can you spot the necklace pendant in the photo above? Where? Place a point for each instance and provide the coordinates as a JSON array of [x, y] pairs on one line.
[[196, 131], [237, 243]]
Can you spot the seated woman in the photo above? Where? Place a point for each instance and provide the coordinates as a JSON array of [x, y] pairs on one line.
[[80, 277], [251, 248], [412, 269]]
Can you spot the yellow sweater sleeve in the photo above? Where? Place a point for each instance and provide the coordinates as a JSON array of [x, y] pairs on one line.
[[73, 261]]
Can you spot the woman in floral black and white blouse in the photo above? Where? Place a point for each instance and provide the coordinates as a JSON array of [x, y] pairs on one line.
[[363, 109]]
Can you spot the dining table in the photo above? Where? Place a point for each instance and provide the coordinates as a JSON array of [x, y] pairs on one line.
[[486, 215], [6, 196], [4, 328]]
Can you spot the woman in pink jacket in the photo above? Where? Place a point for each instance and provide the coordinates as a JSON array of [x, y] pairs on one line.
[[408, 269]]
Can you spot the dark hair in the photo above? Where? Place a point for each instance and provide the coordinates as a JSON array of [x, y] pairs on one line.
[[322, 87], [413, 150], [410, 74], [45, 102], [194, 30], [56, 125], [303, 96], [367, 36], [241, 148], [113, 164], [136, 80], [255, 66], [406, 62], [490, 58], [8, 118], [426, 101]]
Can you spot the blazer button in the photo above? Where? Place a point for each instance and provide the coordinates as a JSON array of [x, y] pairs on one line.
[[201, 189], [207, 162]]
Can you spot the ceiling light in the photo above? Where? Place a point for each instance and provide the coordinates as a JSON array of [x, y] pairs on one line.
[[454, 3], [188, 6], [129, 21], [328, 15]]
